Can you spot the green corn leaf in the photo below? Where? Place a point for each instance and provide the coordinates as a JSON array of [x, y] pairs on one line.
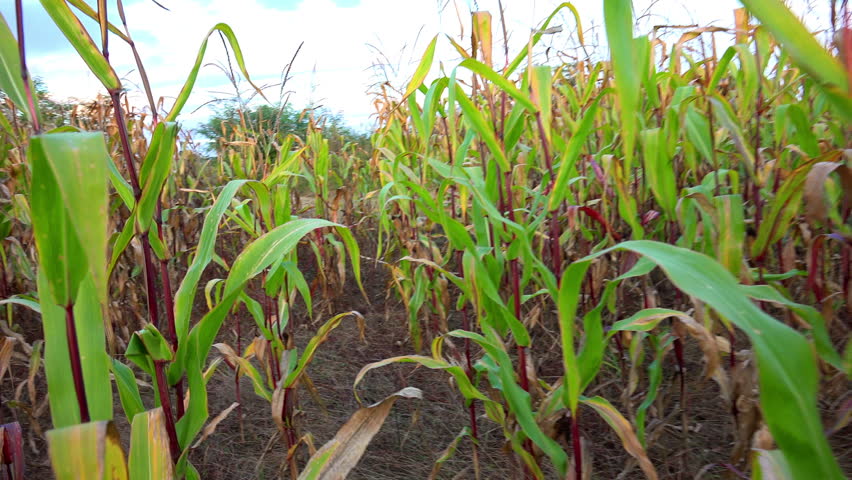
[[477, 122], [32, 305], [748, 82], [784, 207], [417, 120], [731, 228], [804, 136], [245, 368], [183, 96], [69, 209], [125, 191], [430, 104], [294, 276], [787, 369], [698, 133], [5, 125], [659, 170], [128, 390], [618, 16], [647, 69], [89, 323], [149, 447], [644, 320], [11, 81], [197, 411], [314, 343], [157, 245], [571, 154], [513, 127], [185, 295], [517, 399], [507, 86], [490, 295], [78, 36], [450, 451], [255, 258], [418, 297], [524, 53], [530, 462], [122, 241], [422, 69], [726, 116], [591, 354], [89, 450], [655, 378], [796, 39], [581, 369], [467, 389], [318, 461], [721, 69], [264, 201], [809, 314], [155, 169], [256, 311], [569, 290], [541, 84], [148, 343], [91, 13]]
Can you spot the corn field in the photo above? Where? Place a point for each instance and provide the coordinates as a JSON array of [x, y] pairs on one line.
[[631, 266]]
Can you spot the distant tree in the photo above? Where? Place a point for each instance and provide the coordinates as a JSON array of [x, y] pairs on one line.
[[265, 124], [53, 113]]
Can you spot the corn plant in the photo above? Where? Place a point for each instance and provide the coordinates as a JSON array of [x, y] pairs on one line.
[[604, 217], [71, 172], [518, 156]]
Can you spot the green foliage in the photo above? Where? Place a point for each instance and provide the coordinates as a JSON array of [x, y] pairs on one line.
[[266, 124], [506, 203]]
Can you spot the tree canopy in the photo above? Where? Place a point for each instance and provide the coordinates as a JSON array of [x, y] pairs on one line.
[[266, 123]]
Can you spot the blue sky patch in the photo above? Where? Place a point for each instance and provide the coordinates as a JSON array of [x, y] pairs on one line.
[[281, 4]]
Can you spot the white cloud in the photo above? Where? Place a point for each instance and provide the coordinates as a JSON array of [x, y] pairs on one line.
[[333, 66]]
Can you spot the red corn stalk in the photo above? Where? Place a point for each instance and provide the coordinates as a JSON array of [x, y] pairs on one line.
[[165, 400], [474, 427], [76, 363], [237, 393], [150, 285], [847, 41], [25, 75], [597, 217], [12, 453], [576, 446], [815, 272]]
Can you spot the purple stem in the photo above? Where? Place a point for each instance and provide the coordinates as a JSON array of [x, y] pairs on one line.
[[576, 445], [76, 363], [25, 75], [165, 400]]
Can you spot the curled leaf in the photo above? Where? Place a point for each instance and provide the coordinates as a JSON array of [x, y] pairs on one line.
[[624, 431], [339, 456], [814, 191]]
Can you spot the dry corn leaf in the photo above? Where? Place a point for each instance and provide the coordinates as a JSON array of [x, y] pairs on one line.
[[212, 424], [814, 190], [339, 456], [6, 347]]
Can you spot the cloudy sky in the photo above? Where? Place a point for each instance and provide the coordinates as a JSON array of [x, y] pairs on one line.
[[344, 41]]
